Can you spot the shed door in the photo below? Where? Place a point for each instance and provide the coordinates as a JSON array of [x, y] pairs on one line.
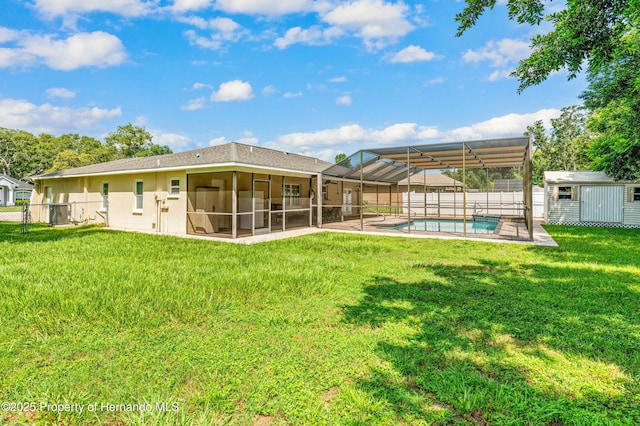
[[601, 203]]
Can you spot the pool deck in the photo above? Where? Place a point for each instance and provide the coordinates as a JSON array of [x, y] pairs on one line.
[[508, 231]]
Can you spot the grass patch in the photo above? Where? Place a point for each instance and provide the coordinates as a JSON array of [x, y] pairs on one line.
[[323, 329]]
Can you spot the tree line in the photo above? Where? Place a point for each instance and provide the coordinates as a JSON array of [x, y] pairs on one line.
[[23, 154]]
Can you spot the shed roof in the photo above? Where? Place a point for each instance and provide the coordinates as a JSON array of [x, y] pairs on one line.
[[233, 152], [392, 164], [17, 184], [581, 176]]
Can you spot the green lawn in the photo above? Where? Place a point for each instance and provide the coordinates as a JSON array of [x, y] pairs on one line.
[[323, 329]]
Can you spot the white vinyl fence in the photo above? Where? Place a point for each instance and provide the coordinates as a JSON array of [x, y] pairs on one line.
[[486, 203]]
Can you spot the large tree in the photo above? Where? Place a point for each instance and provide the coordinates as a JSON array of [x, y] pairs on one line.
[[603, 34], [614, 96], [564, 147], [135, 141]]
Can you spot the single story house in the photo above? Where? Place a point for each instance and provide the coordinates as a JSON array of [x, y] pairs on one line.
[[13, 190], [590, 198], [227, 190]]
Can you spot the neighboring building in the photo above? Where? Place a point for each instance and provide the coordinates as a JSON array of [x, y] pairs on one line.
[[590, 198], [13, 190], [431, 182]]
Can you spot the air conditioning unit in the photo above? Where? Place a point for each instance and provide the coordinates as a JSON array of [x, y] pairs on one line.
[[58, 214]]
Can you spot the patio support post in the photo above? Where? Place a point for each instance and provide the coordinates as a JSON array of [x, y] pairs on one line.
[[284, 203], [253, 204], [361, 195], [234, 206], [528, 189], [310, 202], [487, 169], [408, 191], [464, 188], [424, 195], [439, 200], [320, 199], [455, 198], [377, 199]]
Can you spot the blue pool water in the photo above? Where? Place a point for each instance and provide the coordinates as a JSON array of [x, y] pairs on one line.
[[448, 225]]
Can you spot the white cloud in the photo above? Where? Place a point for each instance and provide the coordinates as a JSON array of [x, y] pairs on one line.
[[506, 125], [351, 134], [344, 100], [313, 36], [434, 81], [264, 7], [21, 114], [290, 95], [96, 49], [500, 53], [60, 92], [376, 21], [269, 90], [194, 104], [218, 141], [412, 54], [351, 137], [7, 34], [176, 142], [341, 79], [188, 5], [221, 30], [503, 55], [52, 8], [235, 90], [198, 86], [499, 75]]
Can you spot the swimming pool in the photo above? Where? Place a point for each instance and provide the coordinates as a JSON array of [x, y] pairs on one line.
[[449, 225]]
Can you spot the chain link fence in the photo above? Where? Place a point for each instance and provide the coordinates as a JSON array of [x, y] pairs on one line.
[[56, 214]]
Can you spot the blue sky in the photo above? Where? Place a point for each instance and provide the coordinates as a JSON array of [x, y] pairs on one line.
[[312, 77]]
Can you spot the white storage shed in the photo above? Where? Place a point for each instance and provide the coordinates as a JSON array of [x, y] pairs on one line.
[[591, 199]]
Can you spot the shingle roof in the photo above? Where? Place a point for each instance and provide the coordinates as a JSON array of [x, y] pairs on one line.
[[18, 184], [228, 153]]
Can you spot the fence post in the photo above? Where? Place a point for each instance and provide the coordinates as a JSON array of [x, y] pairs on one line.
[[25, 218]]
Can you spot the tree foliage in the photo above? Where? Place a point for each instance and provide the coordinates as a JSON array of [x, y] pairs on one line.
[[482, 179], [583, 31], [614, 96], [135, 141], [604, 35], [22, 154], [564, 147], [339, 157]]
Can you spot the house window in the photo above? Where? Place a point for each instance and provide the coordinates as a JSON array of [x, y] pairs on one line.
[[174, 188], [105, 195], [48, 193], [139, 192], [292, 194], [636, 193], [564, 193], [325, 192]]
